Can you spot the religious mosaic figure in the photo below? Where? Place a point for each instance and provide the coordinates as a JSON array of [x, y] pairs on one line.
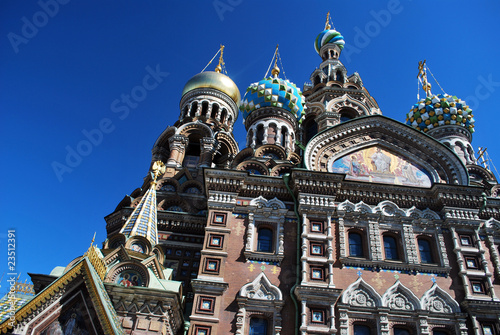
[[381, 161]]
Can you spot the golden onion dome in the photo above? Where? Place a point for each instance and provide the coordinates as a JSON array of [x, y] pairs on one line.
[[215, 80]]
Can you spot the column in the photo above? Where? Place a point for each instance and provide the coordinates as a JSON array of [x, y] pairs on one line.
[[177, 144]]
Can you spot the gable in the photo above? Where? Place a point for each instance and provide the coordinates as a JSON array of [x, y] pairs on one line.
[[378, 165], [423, 157]]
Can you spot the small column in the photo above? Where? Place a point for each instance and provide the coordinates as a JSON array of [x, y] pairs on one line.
[[304, 249], [303, 317], [329, 238], [332, 318], [251, 228], [374, 238], [266, 134], [208, 147], [278, 135], [177, 144], [484, 264], [424, 325]]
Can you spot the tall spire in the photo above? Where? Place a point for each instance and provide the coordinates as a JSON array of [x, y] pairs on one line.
[[143, 222]]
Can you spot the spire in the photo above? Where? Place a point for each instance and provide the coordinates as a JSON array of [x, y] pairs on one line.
[[142, 222], [218, 68]]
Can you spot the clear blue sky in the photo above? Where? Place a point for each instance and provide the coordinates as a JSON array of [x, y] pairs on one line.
[[60, 75]]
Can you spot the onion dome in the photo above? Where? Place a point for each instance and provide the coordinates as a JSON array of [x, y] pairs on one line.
[[215, 80], [329, 36], [440, 110], [273, 92]]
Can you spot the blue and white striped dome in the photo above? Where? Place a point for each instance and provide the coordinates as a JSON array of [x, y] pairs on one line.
[[329, 36]]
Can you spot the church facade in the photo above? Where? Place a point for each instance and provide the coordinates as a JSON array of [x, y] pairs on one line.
[[332, 219]]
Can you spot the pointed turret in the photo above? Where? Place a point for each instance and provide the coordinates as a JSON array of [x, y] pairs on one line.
[[142, 222]]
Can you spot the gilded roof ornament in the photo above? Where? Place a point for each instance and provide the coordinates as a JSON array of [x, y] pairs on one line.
[[276, 70], [422, 75], [218, 68], [327, 23]]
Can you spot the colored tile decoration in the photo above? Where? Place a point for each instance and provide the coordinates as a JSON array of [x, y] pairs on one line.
[[142, 221], [240, 215], [380, 166], [273, 92], [329, 36], [240, 202], [440, 110], [10, 305], [263, 263], [408, 272]]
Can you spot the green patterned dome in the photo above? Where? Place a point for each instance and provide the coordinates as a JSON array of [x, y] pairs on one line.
[[440, 110]]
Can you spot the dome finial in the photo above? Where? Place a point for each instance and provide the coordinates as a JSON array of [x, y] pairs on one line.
[[422, 75], [327, 23], [276, 70], [218, 68]]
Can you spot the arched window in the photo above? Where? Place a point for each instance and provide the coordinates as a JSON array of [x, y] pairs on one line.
[[390, 248], [204, 108], [265, 240], [260, 134], [340, 77], [424, 247], [355, 245], [440, 332], [194, 109], [317, 80], [215, 110], [284, 132], [361, 330], [258, 326]]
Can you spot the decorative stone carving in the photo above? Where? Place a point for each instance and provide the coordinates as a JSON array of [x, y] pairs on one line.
[[361, 294], [399, 297], [439, 301]]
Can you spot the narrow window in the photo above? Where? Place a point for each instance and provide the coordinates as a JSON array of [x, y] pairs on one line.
[[390, 248], [424, 248], [265, 240], [258, 326], [355, 245]]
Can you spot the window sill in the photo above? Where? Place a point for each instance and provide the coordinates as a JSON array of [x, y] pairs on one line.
[[263, 256], [394, 265]]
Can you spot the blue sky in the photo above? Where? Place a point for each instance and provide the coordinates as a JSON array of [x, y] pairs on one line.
[[65, 70]]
